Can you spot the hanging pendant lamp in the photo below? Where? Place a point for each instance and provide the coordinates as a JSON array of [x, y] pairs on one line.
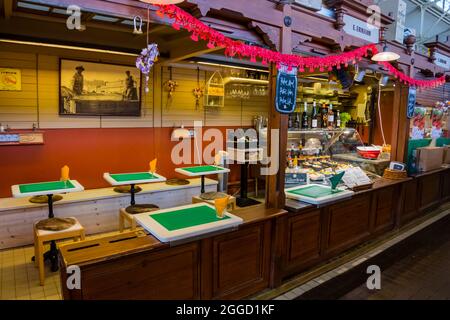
[[385, 56]]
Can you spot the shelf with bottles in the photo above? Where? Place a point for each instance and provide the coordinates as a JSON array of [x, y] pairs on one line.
[[315, 116]]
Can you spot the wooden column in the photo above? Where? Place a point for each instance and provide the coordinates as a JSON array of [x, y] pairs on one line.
[[275, 197], [400, 124]]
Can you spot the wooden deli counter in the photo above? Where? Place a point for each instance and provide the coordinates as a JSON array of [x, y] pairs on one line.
[[270, 246], [134, 265]]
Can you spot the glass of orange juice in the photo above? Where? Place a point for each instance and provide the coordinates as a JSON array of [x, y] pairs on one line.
[[221, 206]]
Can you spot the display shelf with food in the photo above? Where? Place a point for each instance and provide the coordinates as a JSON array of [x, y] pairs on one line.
[[322, 153]]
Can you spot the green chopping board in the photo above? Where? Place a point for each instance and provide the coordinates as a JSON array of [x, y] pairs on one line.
[[315, 192], [121, 177], [185, 218], [45, 186]]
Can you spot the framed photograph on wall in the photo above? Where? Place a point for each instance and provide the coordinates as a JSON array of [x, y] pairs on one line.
[[98, 89]]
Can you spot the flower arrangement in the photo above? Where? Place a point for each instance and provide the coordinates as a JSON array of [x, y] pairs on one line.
[[170, 87], [198, 94], [146, 60]]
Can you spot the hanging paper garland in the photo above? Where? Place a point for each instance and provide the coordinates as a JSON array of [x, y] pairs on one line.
[[233, 48], [411, 81], [146, 60], [199, 30]]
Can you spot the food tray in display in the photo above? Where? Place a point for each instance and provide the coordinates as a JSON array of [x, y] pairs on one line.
[[317, 194]]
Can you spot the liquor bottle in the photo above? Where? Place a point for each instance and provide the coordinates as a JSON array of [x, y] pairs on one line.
[[297, 120], [305, 118], [324, 113], [290, 122], [314, 117], [330, 120], [338, 119]]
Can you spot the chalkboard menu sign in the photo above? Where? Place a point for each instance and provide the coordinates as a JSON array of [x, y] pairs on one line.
[[411, 101], [286, 92]]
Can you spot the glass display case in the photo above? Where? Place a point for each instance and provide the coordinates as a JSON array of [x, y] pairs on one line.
[[321, 153]]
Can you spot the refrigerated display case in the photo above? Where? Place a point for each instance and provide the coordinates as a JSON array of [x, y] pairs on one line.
[[321, 153]]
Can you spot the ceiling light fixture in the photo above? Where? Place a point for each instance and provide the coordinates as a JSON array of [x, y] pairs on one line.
[[60, 46], [385, 56]]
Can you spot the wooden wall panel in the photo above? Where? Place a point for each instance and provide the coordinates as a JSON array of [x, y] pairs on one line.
[[18, 109], [383, 209], [410, 202], [180, 109], [429, 190], [241, 270], [429, 97], [348, 224], [38, 101], [171, 274], [304, 240]]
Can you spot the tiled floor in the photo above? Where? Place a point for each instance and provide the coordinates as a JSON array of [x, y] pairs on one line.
[[19, 278], [421, 275]]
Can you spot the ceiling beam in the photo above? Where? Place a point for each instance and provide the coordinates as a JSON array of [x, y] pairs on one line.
[[183, 52]]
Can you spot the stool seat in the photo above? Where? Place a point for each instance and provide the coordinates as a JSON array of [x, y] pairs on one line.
[[77, 227], [129, 217], [41, 236]]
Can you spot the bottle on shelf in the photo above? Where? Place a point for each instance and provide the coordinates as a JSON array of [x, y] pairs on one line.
[[324, 113], [297, 120], [314, 117], [290, 122], [338, 119], [305, 118], [330, 118]]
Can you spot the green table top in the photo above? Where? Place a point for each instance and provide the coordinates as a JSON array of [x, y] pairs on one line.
[[121, 177], [185, 218], [45, 186], [200, 169], [315, 192]]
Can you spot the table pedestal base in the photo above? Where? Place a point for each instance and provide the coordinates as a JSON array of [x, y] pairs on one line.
[[51, 255], [246, 202]]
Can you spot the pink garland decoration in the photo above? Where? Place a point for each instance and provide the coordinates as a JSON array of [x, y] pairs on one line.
[[411, 81], [198, 30]]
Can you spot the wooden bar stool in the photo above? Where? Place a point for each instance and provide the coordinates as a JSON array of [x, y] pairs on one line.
[[231, 202], [42, 236], [125, 216]]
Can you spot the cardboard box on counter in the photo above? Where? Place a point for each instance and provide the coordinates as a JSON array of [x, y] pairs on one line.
[[429, 158]]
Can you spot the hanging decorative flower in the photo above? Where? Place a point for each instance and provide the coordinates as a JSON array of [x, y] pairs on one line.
[[146, 60], [198, 94], [170, 87]]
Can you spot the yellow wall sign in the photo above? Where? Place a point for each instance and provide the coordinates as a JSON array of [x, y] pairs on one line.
[[10, 79]]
